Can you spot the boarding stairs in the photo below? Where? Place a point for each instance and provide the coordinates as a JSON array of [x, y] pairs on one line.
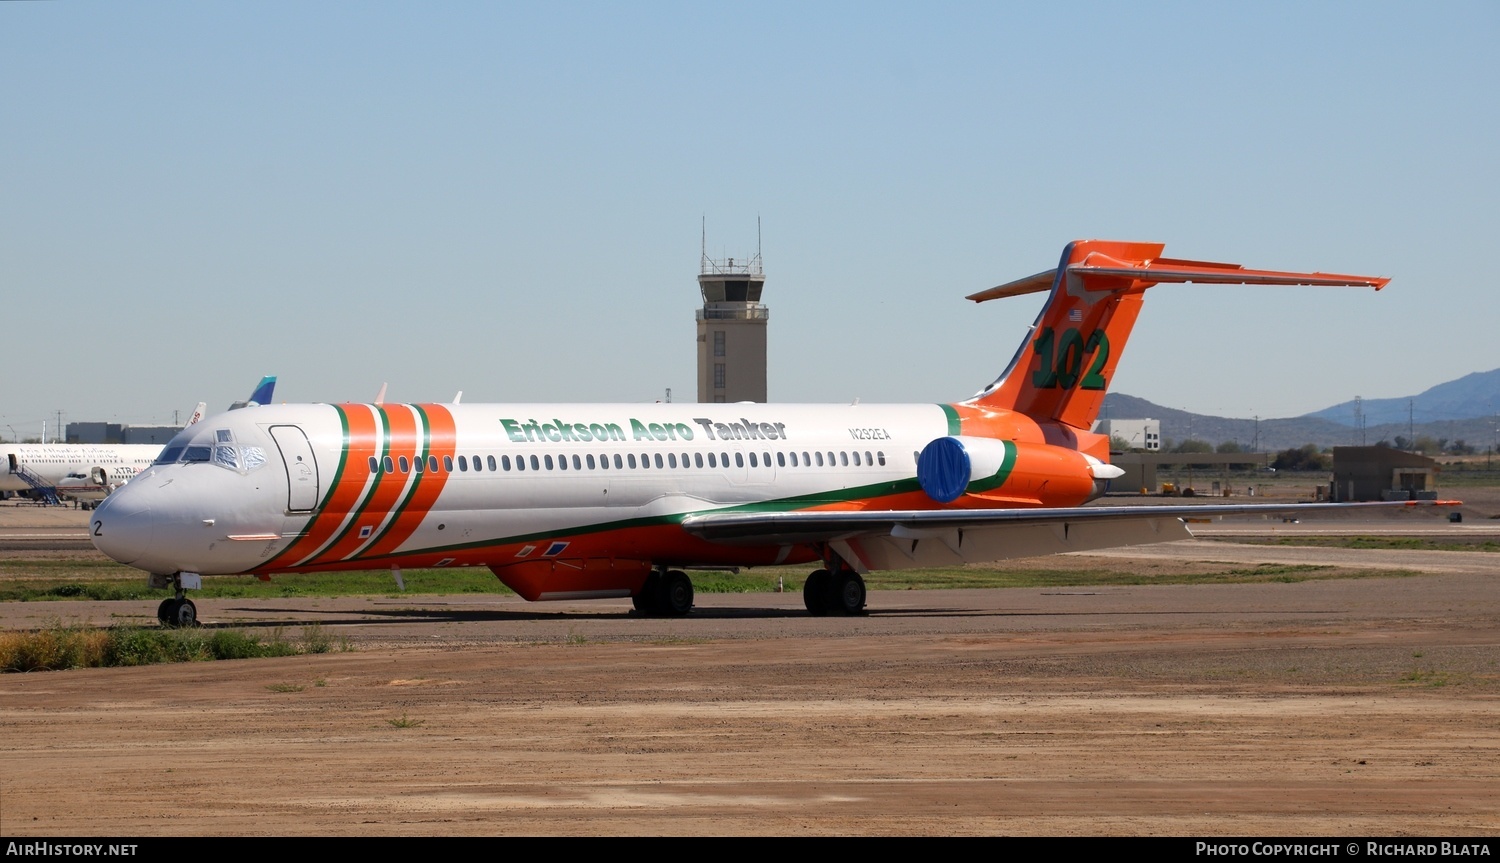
[[47, 493]]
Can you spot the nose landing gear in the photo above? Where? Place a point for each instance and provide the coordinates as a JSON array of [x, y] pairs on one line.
[[177, 612]]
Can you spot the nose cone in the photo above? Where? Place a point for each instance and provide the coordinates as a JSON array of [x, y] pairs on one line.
[[122, 527]]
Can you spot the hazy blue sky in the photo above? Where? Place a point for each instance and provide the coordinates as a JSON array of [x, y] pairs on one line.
[[505, 199]]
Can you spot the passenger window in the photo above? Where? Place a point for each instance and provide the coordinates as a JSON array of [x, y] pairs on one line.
[[658, 461], [490, 462], [405, 465], [619, 465], [739, 459], [390, 466], [432, 464], [856, 458], [698, 459], [549, 462], [671, 459], [374, 464], [463, 463], [520, 462], [712, 460], [631, 457], [448, 463], [868, 461], [724, 459], [765, 459], [807, 461], [578, 463], [781, 459], [416, 464], [882, 458], [591, 461], [820, 459], [752, 460], [535, 465]]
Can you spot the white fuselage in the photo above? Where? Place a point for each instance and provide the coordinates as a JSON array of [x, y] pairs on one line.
[[85, 471], [559, 499]]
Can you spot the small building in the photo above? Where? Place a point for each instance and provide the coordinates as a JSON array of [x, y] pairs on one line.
[[1143, 434], [91, 432], [1382, 473], [148, 434]]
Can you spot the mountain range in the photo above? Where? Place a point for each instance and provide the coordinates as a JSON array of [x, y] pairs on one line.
[[1469, 397], [1462, 409]]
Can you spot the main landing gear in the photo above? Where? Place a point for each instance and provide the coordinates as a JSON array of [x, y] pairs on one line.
[[839, 592], [667, 593]]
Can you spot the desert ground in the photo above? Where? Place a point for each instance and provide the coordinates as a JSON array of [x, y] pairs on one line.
[[1344, 707]]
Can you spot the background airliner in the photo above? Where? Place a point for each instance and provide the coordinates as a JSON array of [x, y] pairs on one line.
[[613, 500], [90, 472]]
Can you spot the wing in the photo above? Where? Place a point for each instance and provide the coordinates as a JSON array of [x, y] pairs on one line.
[[907, 539]]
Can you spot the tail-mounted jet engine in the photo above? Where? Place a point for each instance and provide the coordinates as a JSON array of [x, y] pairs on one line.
[[950, 468]]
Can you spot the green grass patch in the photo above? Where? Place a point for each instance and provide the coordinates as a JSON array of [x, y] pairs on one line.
[[1407, 543], [992, 577], [62, 646], [33, 581], [42, 580]]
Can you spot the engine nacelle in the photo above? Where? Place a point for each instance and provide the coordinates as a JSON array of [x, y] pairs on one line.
[[951, 467]]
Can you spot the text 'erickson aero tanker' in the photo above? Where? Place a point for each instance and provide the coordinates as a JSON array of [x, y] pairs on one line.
[[614, 500]]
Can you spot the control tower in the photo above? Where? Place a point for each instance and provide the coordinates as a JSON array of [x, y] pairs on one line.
[[732, 330]]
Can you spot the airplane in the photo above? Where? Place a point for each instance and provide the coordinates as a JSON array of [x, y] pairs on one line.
[[90, 472], [574, 501]]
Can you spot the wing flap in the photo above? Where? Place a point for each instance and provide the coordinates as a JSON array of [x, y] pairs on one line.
[[908, 539]]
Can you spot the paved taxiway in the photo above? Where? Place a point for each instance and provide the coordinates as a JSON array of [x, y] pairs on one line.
[[1321, 708]]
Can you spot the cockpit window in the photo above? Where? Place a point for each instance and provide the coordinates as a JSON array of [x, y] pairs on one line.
[[217, 447]]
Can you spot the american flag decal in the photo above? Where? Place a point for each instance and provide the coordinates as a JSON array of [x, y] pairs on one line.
[[1075, 315]]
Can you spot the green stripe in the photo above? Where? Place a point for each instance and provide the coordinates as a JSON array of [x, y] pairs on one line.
[[787, 504], [955, 425], [338, 474], [358, 510], [343, 456], [1007, 465], [424, 434]]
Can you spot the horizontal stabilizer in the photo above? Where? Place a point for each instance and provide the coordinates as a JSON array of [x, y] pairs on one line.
[[1100, 272]]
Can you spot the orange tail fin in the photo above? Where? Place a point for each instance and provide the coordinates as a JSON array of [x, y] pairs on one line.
[[1064, 367]]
